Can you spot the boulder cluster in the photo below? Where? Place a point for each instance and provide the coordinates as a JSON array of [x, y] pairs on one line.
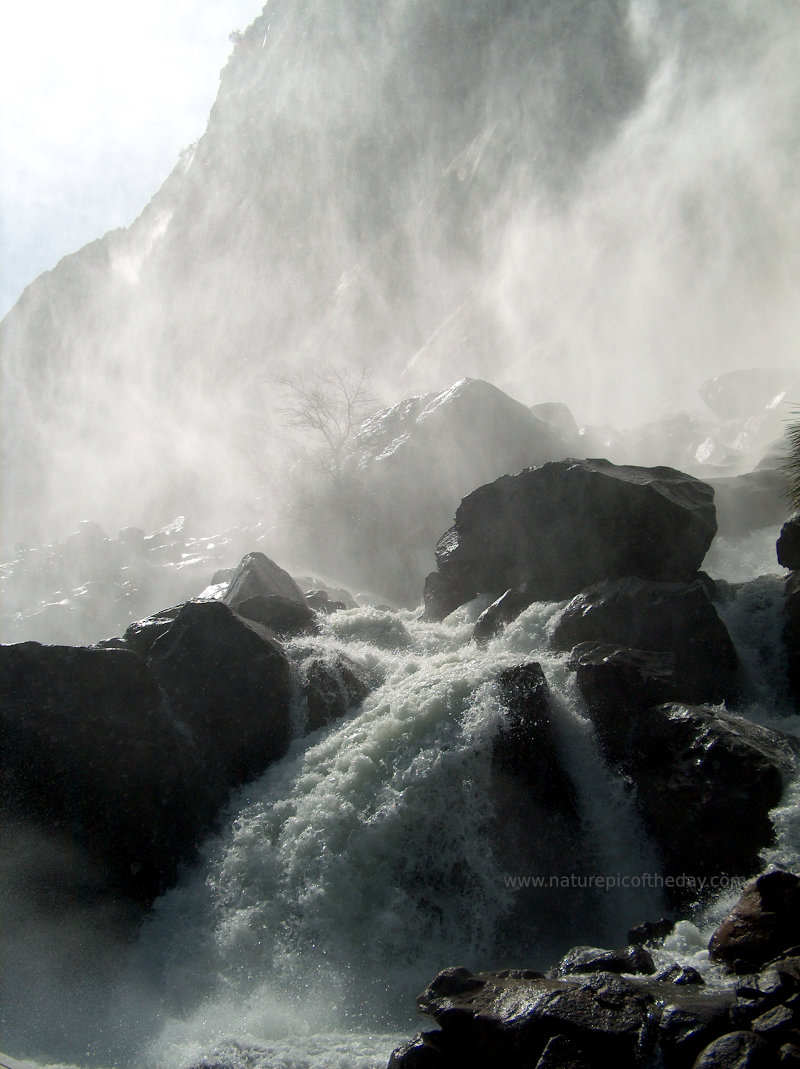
[[599, 1007], [129, 749]]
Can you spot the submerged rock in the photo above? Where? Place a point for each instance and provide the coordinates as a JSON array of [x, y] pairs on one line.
[[565, 525], [502, 611], [331, 686]]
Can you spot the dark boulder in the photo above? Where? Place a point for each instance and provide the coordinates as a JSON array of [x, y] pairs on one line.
[[615, 678], [526, 745], [284, 616], [791, 634], [508, 1019], [788, 545], [331, 686], [653, 932], [764, 923], [257, 574], [674, 618], [565, 525], [89, 750], [420, 1052], [680, 975], [320, 602], [141, 635], [232, 685], [704, 783], [630, 959], [736, 1050], [131, 760], [442, 596]]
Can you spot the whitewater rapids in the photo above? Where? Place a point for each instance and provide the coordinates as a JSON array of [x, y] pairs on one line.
[[365, 861]]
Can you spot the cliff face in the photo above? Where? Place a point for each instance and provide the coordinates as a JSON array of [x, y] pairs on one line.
[[416, 188]]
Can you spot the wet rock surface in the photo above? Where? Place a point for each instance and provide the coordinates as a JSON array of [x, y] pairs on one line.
[[257, 575], [579, 1017], [764, 921], [672, 618], [565, 525], [91, 751], [131, 755], [704, 783]]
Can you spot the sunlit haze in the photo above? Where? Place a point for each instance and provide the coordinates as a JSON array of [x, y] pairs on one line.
[[96, 102]]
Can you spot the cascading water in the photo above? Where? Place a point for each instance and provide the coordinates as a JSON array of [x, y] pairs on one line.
[[370, 857], [367, 860], [591, 204]]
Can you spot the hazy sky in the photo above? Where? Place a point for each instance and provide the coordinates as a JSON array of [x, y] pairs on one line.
[[97, 98]]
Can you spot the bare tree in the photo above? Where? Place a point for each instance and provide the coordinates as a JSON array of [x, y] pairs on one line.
[[330, 406]]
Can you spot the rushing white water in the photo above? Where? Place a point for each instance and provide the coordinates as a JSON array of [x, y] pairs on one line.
[[369, 858]]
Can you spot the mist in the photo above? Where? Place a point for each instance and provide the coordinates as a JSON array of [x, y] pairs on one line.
[[592, 207], [592, 204]]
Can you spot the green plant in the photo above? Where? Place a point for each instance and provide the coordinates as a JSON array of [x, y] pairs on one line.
[[792, 466]]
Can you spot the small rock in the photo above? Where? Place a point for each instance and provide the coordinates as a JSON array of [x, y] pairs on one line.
[[651, 931], [775, 1020], [736, 1050], [680, 975], [631, 959]]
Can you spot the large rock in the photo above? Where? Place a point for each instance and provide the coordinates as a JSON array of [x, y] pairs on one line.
[[131, 760], [764, 923], [749, 501], [519, 1019], [671, 618], [536, 819], [566, 525], [791, 634], [507, 1018], [282, 615], [788, 544], [526, 745], [742, 393], [613, 678], [630, 959], [232, 685], [89, 750], [704, 783], [258, 575]]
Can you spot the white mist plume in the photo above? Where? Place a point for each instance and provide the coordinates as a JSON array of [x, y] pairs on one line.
[[591, 203]]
